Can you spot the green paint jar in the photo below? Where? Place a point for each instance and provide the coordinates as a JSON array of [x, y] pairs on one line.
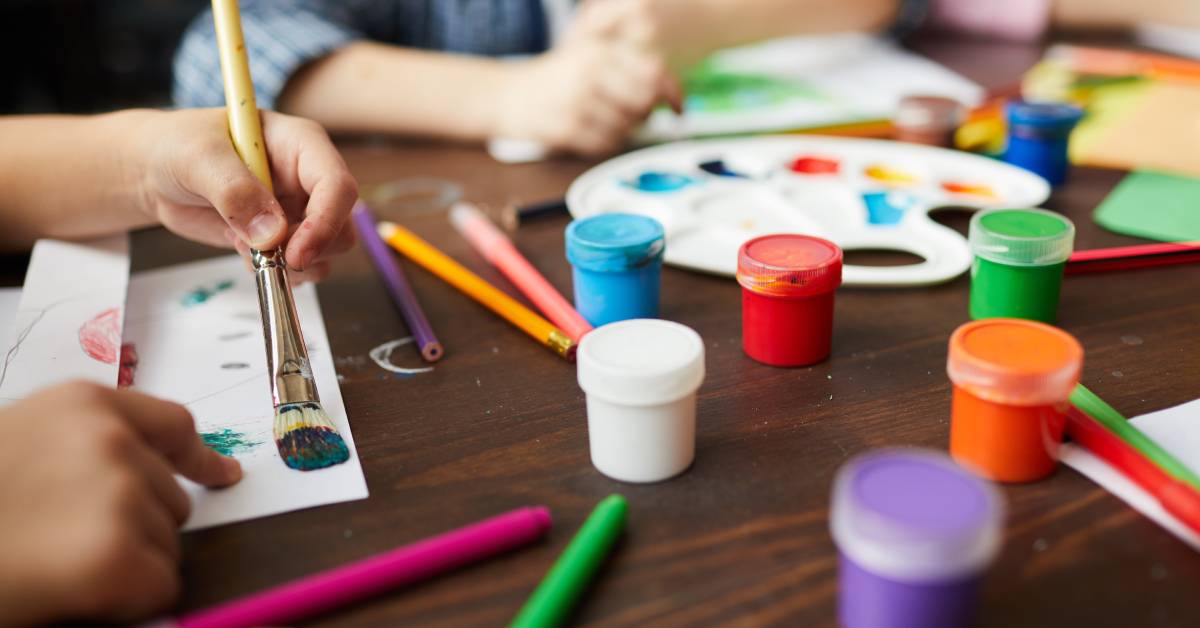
[[1020, 255]]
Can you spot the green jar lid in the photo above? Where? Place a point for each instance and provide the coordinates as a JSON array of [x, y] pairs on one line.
[[1021, 237]]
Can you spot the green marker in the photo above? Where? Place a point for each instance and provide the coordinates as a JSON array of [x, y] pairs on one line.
[[1094, 406], [1020, 255], [552, 601]]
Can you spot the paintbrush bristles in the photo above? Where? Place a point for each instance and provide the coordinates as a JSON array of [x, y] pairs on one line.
[[306, 438]]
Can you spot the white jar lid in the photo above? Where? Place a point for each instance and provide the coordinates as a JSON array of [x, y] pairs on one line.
[[641, 362]]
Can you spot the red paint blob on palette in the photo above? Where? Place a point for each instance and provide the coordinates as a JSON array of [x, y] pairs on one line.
[[969, 189], [809, 164], [100, 337]]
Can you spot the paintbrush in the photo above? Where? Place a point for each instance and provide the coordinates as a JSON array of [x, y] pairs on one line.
[[305, 436]]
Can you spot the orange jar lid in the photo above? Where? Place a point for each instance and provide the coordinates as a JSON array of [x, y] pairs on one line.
[[1014, 361]]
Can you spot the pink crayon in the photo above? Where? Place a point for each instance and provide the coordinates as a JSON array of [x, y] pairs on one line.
[[322, 592], [499, 251]]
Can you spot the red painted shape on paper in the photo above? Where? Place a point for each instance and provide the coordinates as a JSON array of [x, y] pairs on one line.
[[100, 337], [129, 362]]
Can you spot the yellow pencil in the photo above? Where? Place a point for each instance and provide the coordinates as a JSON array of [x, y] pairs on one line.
[[455, 274]]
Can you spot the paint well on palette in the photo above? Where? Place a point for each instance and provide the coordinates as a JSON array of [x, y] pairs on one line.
[[201, 294], [660, 181], [718, 168], [809, 164], [228, 442], [970, 189], [890, 175], [887, 208]]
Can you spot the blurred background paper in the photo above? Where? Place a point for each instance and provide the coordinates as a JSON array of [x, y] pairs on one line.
[[803, 82]]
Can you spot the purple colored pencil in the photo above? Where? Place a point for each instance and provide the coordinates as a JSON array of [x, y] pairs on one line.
[[397, 284], [322, 592]]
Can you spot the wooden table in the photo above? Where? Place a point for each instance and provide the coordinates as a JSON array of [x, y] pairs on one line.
[[742, 537]]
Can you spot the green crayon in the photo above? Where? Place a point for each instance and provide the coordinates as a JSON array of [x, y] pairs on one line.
[[553, 600]]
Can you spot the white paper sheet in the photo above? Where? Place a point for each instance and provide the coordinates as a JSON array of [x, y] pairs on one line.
[[10, 300], [1176, 430], [68, 325], [198, 338]]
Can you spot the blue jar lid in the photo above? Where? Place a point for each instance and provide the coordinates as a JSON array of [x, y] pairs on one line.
[[1043, 116], [614, 242]]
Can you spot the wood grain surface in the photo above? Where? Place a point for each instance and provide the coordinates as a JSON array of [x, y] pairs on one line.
[[741, 538]]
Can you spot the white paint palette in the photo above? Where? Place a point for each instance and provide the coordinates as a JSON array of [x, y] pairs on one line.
[[713, 195]]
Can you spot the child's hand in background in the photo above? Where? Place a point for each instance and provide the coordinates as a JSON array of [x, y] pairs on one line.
[[673, 31], [194, 183], [89, 527], [585, 96]]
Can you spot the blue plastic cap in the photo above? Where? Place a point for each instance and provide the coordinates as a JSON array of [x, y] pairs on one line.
[[614, 242], [1043, 116]]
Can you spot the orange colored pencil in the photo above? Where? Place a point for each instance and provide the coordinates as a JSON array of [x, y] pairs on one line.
[[413, 247]]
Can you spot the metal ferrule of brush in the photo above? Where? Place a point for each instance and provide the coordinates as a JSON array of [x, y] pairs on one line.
[[287, 357]]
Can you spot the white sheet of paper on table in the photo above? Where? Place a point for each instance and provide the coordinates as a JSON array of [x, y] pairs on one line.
[[1175, 429], [69, 286], [207, 353]]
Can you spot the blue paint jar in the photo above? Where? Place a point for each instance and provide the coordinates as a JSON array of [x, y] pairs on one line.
[[1037, 137], [617, 262]]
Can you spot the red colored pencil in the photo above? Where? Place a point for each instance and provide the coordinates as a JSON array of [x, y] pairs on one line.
[[1130, 257], [1176, 497]]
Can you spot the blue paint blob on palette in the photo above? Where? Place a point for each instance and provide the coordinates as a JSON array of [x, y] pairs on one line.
[[713, 195], [718, 168], [887, 208], [660, 181]]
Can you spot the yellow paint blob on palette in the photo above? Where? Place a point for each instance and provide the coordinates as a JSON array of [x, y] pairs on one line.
[[970, 189], [889, 175]]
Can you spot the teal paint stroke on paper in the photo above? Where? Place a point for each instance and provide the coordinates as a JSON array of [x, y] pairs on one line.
[[228, 442], [202, 294]]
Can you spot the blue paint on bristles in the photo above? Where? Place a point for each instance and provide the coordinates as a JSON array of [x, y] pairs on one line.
[[306, 438]]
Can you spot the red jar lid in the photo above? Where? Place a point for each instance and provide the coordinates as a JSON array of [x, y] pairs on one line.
[[789, 265]]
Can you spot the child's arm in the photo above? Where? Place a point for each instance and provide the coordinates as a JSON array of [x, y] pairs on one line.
[[584, 97], [90, 526], [76, 177], [311, 59]]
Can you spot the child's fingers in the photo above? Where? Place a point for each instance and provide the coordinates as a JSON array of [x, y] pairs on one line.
[[159, 527], [247, 206], [151, 584], [201, 225], [304, 148], [160, 478], [168, 428]]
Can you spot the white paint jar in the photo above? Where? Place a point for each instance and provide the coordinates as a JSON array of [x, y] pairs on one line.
[[640, 377]]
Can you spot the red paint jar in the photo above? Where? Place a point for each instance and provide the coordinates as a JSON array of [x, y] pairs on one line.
[[788, 283]]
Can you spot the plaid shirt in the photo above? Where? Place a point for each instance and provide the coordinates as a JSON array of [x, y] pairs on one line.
[[283, 35]]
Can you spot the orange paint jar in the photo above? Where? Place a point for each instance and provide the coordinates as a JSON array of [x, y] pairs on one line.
[[1012, 378]]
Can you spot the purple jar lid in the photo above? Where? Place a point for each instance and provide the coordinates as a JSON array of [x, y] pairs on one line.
[[915, 515]]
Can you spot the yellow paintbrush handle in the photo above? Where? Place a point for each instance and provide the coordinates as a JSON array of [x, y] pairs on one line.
[[245, 126]]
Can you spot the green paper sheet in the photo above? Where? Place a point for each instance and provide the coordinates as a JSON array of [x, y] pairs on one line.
[[1153, 205]]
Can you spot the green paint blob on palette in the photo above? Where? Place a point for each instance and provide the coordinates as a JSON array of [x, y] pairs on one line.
[[711, 196]]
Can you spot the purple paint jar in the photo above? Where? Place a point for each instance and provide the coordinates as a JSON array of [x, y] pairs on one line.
[[915, 533]]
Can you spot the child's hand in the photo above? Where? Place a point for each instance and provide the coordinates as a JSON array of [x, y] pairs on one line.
[[195, 184], [583, 97], [671, 30], [89, 526]]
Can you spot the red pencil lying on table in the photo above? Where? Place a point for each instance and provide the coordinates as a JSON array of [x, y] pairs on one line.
[[1176, 497], [1130, 257]]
